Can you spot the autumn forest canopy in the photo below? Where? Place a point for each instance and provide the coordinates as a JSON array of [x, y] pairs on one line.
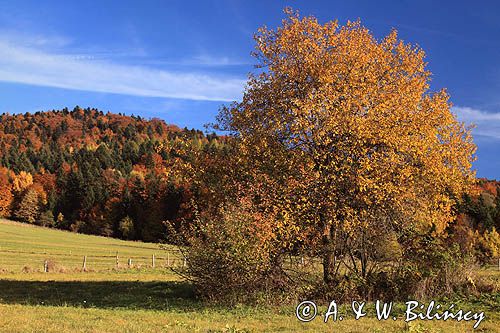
[[104, 174], [338, 155]]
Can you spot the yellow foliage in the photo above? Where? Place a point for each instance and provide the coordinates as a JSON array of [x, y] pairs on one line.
[[6, 196], [22, 181], [490, 243], [342, 131]]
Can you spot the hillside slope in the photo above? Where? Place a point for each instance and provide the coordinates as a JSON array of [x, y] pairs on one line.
[[27, 247], [96, 173]]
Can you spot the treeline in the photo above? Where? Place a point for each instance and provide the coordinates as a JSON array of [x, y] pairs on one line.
[[124, 176], [98, 173], [476, 227]]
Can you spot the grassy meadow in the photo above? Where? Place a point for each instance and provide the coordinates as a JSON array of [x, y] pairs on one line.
[[27, 246], [107, 298]]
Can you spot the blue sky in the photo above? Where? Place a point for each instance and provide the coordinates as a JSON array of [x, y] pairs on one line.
[[181, 60]]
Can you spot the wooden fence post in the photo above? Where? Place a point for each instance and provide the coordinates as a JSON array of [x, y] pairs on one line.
[[129, 262], [116, 259], [153, 260], [45, 266], [84, 266]]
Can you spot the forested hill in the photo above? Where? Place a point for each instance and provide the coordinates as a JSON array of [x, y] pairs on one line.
[[29, 142], [94, 172], [123, 176]]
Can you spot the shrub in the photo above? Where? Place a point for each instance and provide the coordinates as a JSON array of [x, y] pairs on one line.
[[426, 266], [433, 267], [126, 228], [60, 219], [489, 245], [231, 258], [46, 219], [77, 226]]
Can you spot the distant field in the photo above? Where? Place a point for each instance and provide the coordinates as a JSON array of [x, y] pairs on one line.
[[142, 299], [28, 246]]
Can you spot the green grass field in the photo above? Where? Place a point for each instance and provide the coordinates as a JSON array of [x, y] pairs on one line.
[[143, 299], [28, 246]]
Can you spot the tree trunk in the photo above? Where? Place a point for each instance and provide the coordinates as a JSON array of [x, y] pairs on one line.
[[328, 251], [328, 269]]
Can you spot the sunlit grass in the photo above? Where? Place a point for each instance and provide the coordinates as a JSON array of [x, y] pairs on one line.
[[23, 245], [156, 300]]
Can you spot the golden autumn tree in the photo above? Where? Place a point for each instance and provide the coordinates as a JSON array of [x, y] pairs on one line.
[[28, 209], [21, 181], [347, 143], [6, 195]]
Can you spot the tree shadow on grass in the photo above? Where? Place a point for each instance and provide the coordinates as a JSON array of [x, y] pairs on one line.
[[102, 294]]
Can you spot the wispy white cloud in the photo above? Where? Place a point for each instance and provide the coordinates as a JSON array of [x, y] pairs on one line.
[[31, 63], [197, 61], [486, 123], [207, 60], [34, 40]]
